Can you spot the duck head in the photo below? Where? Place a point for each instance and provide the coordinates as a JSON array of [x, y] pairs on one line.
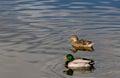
[[73, 38], [69, 57]]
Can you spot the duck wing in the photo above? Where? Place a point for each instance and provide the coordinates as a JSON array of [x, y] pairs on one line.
[[81, 60], [84, 41]]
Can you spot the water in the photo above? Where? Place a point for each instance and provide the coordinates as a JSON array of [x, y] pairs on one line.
[[33, 37]]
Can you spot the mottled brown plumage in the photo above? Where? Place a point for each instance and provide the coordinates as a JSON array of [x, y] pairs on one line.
[[81, 44]]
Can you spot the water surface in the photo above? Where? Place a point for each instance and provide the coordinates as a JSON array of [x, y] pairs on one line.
[[33, 37]]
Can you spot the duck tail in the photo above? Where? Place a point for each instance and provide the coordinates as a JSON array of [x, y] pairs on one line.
[[90, 45], [92, 62]]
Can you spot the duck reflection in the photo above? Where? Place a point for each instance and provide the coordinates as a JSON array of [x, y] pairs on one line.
[[75, 49], [81, 70]]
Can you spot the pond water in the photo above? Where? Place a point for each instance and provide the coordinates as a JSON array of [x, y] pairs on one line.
[[33, 37]]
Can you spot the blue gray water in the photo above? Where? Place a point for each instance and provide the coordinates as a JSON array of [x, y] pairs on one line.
[[33, 37]]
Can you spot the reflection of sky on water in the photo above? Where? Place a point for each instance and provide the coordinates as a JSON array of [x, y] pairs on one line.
[[87, 12], [39, 20]]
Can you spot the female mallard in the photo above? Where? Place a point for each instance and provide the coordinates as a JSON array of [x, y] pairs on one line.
[[81, 44], [76, 63]]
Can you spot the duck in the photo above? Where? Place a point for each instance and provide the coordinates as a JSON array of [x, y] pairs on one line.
[[81, 44], [77, 63]]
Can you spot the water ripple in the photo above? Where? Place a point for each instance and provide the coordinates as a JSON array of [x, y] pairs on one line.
[[41, 28]]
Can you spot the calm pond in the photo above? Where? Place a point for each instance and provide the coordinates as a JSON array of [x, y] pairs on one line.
[[33, 37]]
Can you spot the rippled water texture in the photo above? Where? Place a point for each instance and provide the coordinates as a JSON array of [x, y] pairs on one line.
[[33, 37]]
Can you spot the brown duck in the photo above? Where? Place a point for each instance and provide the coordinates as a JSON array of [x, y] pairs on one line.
[[81, 44]]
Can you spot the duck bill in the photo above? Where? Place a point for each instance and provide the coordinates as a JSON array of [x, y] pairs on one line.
[[69, 39], [65, 58]]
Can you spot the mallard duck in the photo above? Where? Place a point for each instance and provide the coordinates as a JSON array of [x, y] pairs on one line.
[[76, 63], [81, 44]]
